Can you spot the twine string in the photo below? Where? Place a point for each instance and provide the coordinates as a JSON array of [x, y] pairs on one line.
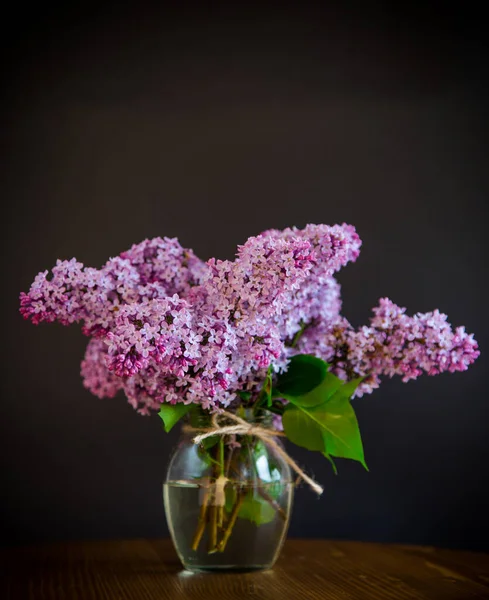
[[242, 427]]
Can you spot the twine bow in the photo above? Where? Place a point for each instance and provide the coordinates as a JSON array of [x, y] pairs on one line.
[[267, 436]]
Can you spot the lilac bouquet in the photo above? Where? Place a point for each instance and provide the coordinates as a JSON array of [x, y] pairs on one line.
[[262, 333]]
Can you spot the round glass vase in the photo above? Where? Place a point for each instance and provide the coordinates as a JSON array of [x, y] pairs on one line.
[[227, 499]]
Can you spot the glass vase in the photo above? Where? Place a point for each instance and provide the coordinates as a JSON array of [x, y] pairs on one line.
[[227, 499]]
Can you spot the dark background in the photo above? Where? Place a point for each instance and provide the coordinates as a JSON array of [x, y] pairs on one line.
[[120, 125]]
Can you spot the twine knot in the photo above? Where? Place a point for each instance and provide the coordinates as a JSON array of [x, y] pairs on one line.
[[242, 427]]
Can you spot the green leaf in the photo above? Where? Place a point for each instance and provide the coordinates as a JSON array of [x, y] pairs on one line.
[[301, 429], [304, 373], [275, 489], [256, 509], [209, 442], [346, 391], [331, 427], [244, 395], [172, 413], [320, 394], [342, 434], [330, 458]]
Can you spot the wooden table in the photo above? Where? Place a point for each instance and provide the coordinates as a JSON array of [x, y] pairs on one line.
[[307, 570]]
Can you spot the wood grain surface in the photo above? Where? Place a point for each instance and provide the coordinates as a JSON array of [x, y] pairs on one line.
[[307, 569]]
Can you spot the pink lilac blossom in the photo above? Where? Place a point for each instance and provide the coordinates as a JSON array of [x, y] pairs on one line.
[[96, 376], [165, 263], [167, 327], [318, 298], [393, 344]]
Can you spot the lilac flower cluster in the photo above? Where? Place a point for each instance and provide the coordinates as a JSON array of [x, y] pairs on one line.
[[393, 344], [168, 327]]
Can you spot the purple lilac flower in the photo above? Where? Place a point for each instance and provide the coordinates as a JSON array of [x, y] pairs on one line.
[[96, 376], [205, 352], [167, 327], [393, 344], [318, 298], [164, 262]]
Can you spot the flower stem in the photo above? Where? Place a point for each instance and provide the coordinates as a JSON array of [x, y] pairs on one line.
[[212, 529], [228, 461], [272, 503], [220, 508], [199, 532], [232, 520], [215, 510]]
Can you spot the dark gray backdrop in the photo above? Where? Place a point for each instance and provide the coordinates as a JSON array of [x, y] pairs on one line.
[[211, 128]]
